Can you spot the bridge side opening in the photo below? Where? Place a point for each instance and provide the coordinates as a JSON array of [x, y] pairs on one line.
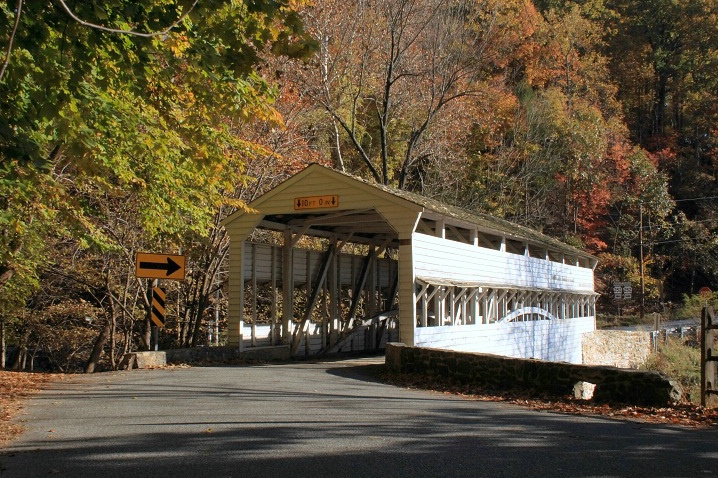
[[319, 289]]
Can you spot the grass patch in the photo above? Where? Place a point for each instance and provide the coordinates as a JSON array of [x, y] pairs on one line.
[[682, 362], [604, 321]]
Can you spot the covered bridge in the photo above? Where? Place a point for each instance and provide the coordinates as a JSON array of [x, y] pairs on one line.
[[327, 262]]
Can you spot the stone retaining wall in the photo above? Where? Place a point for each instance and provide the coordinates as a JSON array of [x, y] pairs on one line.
[[496, 373], [618, 348], [161, 358]]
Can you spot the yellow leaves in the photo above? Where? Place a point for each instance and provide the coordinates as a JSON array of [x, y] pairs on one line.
[[18, 227], [178, 44], [237, 204], [299, 4], [72, 105], [275, 117], [138, 182]]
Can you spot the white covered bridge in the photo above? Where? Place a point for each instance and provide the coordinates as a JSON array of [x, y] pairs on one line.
[[327, 262]]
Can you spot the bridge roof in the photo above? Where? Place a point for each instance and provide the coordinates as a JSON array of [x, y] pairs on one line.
[[360, 196]]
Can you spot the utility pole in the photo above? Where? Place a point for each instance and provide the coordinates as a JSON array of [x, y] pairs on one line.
[[640, 241]]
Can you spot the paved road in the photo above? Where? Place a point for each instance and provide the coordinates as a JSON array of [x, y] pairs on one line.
[[330, 419]]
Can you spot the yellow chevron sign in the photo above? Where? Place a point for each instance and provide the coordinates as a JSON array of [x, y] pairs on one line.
[[158, 306]]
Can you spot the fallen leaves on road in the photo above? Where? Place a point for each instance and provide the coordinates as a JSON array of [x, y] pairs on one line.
[[15, 387], [687, 415]]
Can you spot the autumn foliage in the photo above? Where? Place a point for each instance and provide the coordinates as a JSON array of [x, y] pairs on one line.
[[573, 118]]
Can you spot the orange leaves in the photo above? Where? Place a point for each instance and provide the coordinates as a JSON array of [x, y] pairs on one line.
[[510, 27], [683, 414], [15, 386], [492, 125], [618, 154], [666, 158]]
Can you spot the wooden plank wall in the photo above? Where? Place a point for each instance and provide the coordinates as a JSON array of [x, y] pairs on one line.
[[554, 340], [439, 259], [258, 262], [257, 270]]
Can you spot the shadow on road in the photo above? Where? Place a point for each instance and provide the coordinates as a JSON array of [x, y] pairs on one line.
[[329, 420]]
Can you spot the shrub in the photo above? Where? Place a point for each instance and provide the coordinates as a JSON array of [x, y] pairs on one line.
[[693, 305], [681, 362]]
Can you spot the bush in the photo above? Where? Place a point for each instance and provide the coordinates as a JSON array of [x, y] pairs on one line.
[[682, 362], [60, 334], [693, 305]]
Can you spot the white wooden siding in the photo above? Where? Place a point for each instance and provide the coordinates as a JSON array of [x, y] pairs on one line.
[[422, 257], [554, 340], [439, 259], [407, 295], [348, 266]]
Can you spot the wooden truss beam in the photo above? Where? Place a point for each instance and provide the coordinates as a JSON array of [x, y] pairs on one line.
[[359, 287], [314, 295]]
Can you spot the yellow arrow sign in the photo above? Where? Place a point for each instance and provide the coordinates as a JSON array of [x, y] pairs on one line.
[[160, 266]]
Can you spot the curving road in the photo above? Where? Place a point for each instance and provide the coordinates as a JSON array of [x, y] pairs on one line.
[[324, 419]]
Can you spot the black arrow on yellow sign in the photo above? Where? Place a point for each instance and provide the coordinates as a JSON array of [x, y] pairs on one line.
[[160, 266], [169, 266]]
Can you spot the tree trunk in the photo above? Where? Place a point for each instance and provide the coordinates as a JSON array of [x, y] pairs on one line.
[[22, 351], [199, 312], [187, 322], [337, 149], [659, 104], [3, 349], [6, 273], [113, 339], [146, 337], [99, 347]]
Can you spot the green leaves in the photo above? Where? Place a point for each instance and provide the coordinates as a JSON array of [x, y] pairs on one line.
[[103, 132]]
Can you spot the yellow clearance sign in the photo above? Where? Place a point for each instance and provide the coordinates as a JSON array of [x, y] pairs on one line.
[[160, 266], [316, 202]]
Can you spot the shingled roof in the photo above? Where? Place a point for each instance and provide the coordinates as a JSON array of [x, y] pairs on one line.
[[483, 221]]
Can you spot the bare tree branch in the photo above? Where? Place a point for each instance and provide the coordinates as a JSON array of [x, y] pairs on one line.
[[18, 11], [126, 32]]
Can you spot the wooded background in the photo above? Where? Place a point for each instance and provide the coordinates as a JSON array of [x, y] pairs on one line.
[[138, 125]]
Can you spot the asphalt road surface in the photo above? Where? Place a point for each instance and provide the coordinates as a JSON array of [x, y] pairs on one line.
[[328, 419]]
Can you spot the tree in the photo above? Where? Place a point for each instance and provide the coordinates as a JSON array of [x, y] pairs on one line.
[[387, 76], [664, 58], [93, 117], [555, 154]]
